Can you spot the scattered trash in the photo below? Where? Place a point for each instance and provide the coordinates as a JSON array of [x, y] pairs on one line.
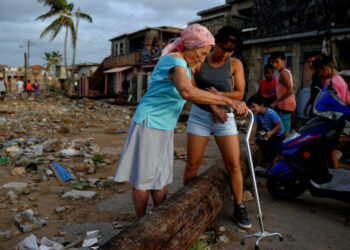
[[180, 153], [119, 131], [68, 152], [26, 221], [46, 244], [91, 239], [5, 235], [18, 171], [3, 160], [29, 243], [31, 167], [61, 173], [247, 196], [223, 238]]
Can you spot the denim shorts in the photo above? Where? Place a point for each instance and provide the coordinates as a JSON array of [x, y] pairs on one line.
[[201, 123]]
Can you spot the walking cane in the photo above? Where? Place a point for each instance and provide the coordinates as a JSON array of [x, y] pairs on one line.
[[262, 234]]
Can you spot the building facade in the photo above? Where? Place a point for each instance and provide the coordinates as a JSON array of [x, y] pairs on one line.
[[133, 58], [296, 28]]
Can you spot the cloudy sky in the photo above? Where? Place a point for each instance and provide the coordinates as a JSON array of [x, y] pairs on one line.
[[110, 19]]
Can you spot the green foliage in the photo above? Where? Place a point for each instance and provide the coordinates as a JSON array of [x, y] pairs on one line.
[[98, 159], [198, 245], [83, 184], [52, 59]]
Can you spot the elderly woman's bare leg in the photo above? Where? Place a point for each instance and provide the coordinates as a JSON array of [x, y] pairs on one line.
[[140, 198], [159, 196]]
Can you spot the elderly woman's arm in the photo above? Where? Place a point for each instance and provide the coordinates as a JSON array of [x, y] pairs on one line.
[[193, 94]]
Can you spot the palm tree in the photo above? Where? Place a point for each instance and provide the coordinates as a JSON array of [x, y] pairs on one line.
[[64, 13], [52, 59]]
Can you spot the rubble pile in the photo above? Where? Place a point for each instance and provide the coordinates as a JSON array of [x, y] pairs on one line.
[[48, 148]]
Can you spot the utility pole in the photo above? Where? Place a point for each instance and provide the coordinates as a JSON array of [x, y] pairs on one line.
[[25, 69], [28, 51], [74, 52], [26, 63]]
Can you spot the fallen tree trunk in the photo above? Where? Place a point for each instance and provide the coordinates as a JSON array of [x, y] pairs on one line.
[[181, 219]]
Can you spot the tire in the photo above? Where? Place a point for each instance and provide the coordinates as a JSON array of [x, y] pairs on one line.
[[286, 189]]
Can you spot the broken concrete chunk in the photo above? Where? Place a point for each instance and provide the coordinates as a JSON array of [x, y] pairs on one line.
[[16, 185], [5, 235], [12, 197], [93, 181], [26, 221], [31, 242], [77, 194], [60, 209]]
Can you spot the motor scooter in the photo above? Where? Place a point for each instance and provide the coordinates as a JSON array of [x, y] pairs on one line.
[[306, 152]]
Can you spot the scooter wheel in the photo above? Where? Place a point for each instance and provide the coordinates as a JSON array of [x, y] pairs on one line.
[[242, 242], [281, 239], [256, 247], [286, 189]]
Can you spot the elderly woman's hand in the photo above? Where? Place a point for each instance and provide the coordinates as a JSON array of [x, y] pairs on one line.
[[239, 107]]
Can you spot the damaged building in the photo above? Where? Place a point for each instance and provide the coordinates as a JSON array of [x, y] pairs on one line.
[[296, 28], [133, 58]]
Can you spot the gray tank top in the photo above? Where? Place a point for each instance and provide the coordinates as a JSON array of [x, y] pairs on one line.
[[218, 78]]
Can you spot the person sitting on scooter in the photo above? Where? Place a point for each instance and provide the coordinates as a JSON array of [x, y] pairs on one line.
[[272, 127], [326, 71], [324, 65]]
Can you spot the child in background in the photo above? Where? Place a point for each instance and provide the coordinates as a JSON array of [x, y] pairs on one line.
[[325, 70], [272, 127], [36, 89], [324, 66], [29, 88], [284, 90], [268, 86]]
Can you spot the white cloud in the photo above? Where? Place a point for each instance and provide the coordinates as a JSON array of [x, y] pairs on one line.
[[110, 19]]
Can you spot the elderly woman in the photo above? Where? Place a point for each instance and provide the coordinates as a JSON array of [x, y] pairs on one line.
[[147, 158]]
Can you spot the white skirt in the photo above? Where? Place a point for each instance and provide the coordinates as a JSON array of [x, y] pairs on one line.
[[148, 157]]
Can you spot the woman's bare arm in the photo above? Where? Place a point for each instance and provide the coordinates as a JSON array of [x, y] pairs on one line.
[[196, 95]]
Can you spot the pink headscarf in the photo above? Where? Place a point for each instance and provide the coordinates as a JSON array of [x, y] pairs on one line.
[[192, 37]]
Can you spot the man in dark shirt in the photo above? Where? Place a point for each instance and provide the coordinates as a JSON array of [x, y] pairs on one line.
[[126, 88]]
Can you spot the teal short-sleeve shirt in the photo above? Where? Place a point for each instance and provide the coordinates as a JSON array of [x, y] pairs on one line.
[[162, 103]]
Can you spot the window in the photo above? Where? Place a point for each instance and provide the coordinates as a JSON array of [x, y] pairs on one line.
[[116, 48], [121, 48]]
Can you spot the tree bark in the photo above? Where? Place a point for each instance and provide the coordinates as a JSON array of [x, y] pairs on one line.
[[180, 220], [65, 59]]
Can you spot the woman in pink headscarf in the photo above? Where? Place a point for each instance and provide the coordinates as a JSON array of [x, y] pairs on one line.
[[147, 158]]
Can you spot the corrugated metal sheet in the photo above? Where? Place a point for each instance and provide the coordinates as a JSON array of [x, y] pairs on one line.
[[117, 69]]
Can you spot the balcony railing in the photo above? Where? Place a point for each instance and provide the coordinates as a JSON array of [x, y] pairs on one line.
[[123, 60]]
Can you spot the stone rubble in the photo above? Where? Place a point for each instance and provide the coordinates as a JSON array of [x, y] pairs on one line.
[[27, 221]]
